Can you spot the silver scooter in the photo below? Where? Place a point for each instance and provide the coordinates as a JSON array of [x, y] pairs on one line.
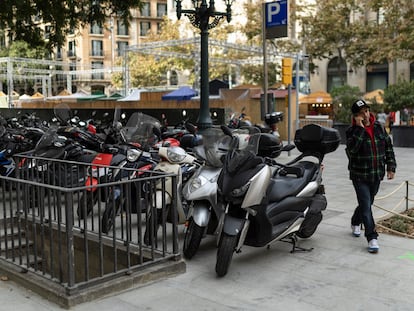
[[200, 192]]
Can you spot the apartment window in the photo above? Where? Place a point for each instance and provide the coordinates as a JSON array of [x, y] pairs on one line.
[[2, 41], [337, 73], [121, 28], [121, 46], [72, 67], [144, 28], [37, 17], [376, 76], [71, 31], [97, 75], [97, 48], [72, 49], [47, 32], [146, 9], [58, 52], [411, 71], [161, 9], [96, 29]]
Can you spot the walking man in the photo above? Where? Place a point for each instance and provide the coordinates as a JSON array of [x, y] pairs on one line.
[[370, 153]]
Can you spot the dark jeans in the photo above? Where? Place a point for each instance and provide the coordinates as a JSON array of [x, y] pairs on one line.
[[365, 193]]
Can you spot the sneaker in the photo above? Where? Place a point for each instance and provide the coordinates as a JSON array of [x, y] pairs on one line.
[[356, 231], [373, 246]]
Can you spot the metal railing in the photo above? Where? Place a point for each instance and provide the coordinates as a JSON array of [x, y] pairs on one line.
[[54, 223], [315, 120]]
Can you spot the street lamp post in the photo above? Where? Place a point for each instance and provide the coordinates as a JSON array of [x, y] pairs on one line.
[[204, 17]]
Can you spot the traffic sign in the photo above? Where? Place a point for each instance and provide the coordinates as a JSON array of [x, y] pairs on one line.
[[276, 19]]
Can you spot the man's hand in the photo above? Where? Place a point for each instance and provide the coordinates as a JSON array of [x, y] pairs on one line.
[[359, 120]]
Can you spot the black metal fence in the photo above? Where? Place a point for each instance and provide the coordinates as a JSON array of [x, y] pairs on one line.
[[59, 225]]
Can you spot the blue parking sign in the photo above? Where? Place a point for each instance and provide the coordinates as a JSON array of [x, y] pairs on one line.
[[276, 19]]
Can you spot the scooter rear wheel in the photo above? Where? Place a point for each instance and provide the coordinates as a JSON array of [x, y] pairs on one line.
[[225, 253], [192, 239]]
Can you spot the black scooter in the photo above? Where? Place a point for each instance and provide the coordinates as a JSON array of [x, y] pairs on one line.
[[268, 201]]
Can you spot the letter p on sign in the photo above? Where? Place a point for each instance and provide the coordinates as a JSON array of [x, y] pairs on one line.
[[273, 9]]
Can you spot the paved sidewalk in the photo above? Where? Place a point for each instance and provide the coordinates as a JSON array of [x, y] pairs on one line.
[[339, 274]]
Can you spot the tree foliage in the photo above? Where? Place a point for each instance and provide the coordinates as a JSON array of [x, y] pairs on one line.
[[24, 50], [21, 17], [360, 32], [399, 96], [342, 98], [151, 69]]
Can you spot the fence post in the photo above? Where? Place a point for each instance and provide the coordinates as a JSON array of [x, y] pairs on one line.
[[69, 238], [174, 202], [406, 195]]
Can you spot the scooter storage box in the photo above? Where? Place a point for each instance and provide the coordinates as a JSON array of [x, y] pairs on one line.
[[274, 117], [269, 145], [317, 138]]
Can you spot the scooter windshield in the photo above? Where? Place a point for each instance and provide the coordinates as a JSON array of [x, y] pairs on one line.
[[140, 129], [253, 143], [50, 145], [63, 113], [215, 145]]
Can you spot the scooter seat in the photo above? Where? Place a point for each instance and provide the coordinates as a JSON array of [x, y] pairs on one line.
[[289, 182]]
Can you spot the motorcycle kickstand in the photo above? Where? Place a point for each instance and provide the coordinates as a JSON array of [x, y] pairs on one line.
[[293, 239]]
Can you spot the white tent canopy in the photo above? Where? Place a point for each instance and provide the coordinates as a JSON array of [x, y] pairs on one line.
[[133, 96]]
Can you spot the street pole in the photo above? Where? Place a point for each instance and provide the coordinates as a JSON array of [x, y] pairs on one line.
[[200, 18], [204, 119]]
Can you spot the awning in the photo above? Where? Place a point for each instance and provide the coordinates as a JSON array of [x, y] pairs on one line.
[[134, 96], [37, 95], [316, 98], [375, 96], [183, 93]]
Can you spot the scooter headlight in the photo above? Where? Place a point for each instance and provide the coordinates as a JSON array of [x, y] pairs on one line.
[[176, 154], [238, 192], [133, 155], [60, 142], [195, 184]]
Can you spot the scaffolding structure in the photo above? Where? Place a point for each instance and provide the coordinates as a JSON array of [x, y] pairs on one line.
[[46, 72], [248, 54]]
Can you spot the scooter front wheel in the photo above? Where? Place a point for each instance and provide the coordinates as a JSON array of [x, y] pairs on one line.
[[192, 239], [109, 214], [225, 251], [86, 204]]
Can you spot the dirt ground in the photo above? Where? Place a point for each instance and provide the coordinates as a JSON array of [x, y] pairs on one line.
[[398, 225]]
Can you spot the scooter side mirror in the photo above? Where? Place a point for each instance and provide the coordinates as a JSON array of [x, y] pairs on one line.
[[157, 132], [226, 130], [190, 127], [288, 147]]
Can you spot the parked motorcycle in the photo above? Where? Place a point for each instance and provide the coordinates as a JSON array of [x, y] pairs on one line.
[[267, 201], [200, 192], [126, 160], [13, 141], [137, 136], [176, 161]]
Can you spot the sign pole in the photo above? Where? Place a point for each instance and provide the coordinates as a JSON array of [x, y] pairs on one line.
[[265, 72]]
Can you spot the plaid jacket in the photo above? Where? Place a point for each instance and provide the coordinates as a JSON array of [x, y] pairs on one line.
[[365, 162]]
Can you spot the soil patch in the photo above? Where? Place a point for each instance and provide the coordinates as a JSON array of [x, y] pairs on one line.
[[398, 224]]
